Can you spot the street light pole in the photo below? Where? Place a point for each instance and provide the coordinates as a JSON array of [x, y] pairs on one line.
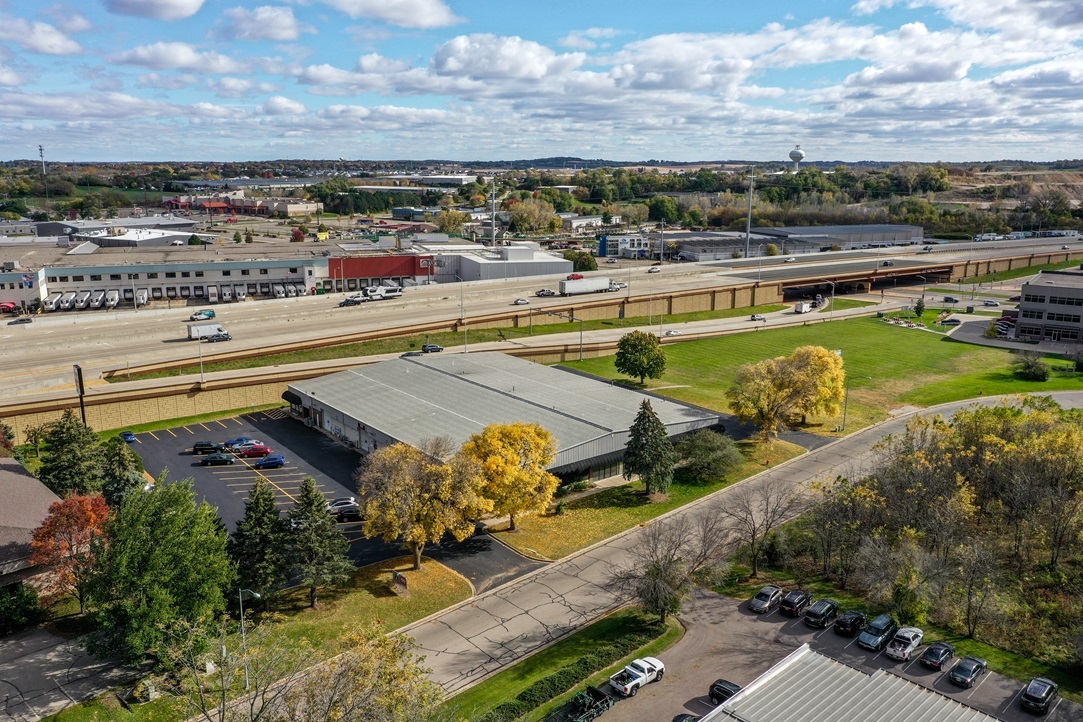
[[199, 345], [922, 286], [244, 643], [748, 226], [831, 311]]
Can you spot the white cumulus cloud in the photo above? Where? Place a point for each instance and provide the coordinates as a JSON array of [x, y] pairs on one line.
[[157, 9], [404, 13], [587, 39], [178, 56], [240, 87], [279, 105], [484, 56], [9, 76], [167, 82], [266, 22], [37, 37]]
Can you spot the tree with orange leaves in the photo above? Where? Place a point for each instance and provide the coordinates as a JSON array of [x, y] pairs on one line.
[[65, 542]]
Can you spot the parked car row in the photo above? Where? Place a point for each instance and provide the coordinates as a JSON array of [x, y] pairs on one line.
[[242, 446], [898, 643]]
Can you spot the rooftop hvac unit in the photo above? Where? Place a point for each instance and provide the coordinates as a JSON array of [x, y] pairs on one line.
[[11, 265]]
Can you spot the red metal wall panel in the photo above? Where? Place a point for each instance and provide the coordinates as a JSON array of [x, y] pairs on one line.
[[376, 266]]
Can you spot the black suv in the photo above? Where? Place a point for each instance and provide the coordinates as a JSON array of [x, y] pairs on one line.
[[722, 690], [207, 447], [795, 602], [822, 613], [1038, 695], [878, 633], [850, 623]]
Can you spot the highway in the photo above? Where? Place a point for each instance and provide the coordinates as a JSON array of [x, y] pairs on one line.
[[39, 356]]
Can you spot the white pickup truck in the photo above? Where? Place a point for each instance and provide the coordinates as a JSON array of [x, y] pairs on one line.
[[640, 672]]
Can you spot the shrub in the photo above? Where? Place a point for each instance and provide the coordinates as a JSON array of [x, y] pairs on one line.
[[708, 455], [19, 609], [1031, 366]]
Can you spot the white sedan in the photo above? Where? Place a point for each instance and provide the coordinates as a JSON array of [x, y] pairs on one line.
[[654, 269], [673, 332], [520, 302], [791, 259]]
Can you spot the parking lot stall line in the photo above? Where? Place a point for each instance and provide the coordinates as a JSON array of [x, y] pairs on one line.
[[171, 432], [189, 430], [153, 436]]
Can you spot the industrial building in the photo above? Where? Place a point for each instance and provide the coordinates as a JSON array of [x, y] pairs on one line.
[[411, 399], [1051, 307], [846, 237]]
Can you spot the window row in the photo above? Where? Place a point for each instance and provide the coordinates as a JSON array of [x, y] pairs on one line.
[[153, 275]]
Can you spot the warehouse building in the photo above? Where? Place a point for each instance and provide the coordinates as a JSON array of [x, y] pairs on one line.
[[1051, 307], [411, 399], [846, 237]]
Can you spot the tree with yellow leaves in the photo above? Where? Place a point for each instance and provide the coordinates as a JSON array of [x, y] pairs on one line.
[[810, 381], [419, 494], [513, 458]]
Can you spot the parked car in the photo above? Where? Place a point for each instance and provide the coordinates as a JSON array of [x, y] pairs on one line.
[[822, 613], [878, 633], [654, 269], [905, 642], [758, 317], [252, 452], [520, 302], [216, 337], [545, 292], [851, 622], [341, 502], [271, 461], [412, 353], [347, 512], [217, 459], [794, 603], [128, 436], [238, 448], [207, 447], [640, 672], [990, 303], [432, 348], [966, 672], [1039, 694], [349, 302], [766, 599], [239, 440], [574, 277], [721, 690], [951, 322], [936, 655], [21, 320]]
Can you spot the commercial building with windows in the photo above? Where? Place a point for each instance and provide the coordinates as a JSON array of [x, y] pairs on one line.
[[1051, 307], [411, 399]]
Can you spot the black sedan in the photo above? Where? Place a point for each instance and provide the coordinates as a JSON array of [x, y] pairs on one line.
[[1039, 694], [937, 655], [967, 671], [822, 613], [851, 622], [21, 320], [217, 460], [795, 602]]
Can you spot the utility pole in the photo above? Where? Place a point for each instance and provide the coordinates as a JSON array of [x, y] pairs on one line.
[[748, 226], [44, 182], [492, 223]]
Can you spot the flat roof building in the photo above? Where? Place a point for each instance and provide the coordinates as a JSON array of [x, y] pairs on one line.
[[412, 399], [1051, 307]]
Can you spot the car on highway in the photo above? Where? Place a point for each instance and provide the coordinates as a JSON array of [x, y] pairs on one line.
[[217, 459], [520, 302], [611, 260], [966, 672], [766, 599], [619, 284], [271, 461], [654, 269], [791, 259], [851, 622], [758, 317], [205, 314], [1038, 695], [208, 447], [216, 337], [349, 302], [990, 303], [878, 633], [936, 655], [128, 436], [574, 277], [21, 320], [1064, 248], [545, 292], [905, 642], [822, 613], [253, 452], [1015, 299], [795, 602], [672, 332], [950, 299], [721, 690], [432, 348], [889, 263]]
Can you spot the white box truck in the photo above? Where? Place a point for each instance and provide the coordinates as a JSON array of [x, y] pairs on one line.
[[197, 331], [586, 285], [802, 307]]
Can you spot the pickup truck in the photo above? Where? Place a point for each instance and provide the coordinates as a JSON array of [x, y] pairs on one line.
[[905, 643], [640, 672]]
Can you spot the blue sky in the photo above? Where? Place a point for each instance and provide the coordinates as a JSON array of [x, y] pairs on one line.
[[924, 80]]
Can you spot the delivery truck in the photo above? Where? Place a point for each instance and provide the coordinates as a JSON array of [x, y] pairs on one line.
[[586, 285], [802, 307], [197, 331]]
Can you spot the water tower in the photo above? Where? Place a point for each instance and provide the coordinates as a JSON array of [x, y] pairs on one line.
[[797, 155]]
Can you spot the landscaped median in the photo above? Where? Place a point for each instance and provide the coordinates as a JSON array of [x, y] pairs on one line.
[[586, 521], [535, 687], [367, 597]]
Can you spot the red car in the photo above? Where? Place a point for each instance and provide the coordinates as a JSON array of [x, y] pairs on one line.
[[254, 451], [574, 276]]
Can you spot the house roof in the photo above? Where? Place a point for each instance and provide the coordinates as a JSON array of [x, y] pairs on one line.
[[26, 504]]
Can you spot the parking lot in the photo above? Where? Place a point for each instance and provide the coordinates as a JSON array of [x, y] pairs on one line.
[[308, 453], [727, 640]]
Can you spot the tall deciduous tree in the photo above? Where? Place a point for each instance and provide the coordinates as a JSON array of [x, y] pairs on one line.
[[533, 214], [319, 548], [419, 494], [640, 354], [756, 509], [259, 544], [121, 471], [65, 543], [450, 221], [649, 452], [161, 560], [71, 460], [512, 459]]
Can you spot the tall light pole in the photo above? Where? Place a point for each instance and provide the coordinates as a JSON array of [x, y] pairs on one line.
[[831, 311], [922, 285], [44, 182], [199, 345], [244, 644], [462, 317], [748, 226], [759, 264]]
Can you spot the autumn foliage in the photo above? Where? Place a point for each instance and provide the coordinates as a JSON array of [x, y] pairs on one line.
[[65, 542]]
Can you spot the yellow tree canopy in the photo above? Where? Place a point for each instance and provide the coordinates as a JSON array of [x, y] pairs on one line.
[[513, 458]]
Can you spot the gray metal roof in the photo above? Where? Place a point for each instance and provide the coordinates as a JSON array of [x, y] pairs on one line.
[[841, 230], [810, 687], [456, 395]]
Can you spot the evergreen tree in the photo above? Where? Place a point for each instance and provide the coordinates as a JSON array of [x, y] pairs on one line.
[[258, 545], [121, 471], [71, 460], [649, 452], [319, 548]]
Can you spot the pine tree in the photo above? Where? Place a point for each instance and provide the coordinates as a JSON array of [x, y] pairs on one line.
[[649, 452], [259, 544], [70, 462], [319, 548], [121, 471]]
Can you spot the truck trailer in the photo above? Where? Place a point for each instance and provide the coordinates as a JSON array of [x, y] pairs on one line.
[[586, 285], [197, 331], [802, 307]]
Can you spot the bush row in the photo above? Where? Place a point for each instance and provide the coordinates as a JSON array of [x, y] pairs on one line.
[[19, 609], [566, 677]]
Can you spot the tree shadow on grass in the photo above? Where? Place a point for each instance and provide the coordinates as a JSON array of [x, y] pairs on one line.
[[621, 497]]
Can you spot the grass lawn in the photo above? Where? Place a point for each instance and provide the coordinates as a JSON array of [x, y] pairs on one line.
[[1014, 665], [502, 687], [841, 304], [401, 344], [599, 516], [888, 366]]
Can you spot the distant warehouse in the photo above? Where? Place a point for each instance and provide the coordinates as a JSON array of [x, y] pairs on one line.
[[846, 237], [455, 395]]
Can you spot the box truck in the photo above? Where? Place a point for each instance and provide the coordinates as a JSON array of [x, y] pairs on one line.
[[586, 285], [197, 331]]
